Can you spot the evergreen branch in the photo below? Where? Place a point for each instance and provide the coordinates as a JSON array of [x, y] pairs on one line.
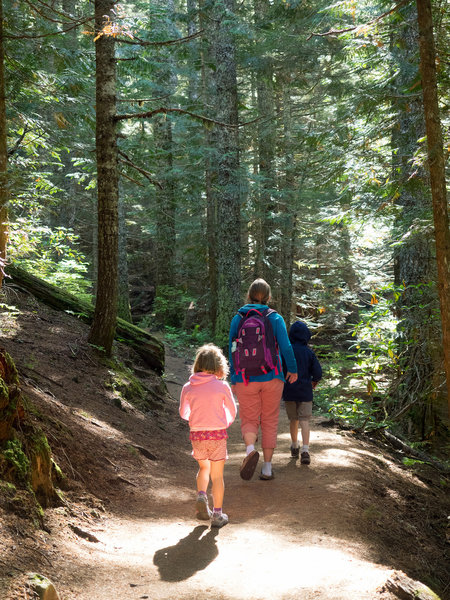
[[46, 17], [139, 42], [164, 110], [127, 160], [347, 29], [57, 12]]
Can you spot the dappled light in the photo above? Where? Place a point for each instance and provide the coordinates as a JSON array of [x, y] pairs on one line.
[[224, 234]]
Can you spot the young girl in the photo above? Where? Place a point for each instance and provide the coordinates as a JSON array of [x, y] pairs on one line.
[[208, 404]]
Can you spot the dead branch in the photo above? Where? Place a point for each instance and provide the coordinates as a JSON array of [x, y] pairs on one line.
[[355, 27], [16, 146], [44, 35], [145, 452], [127, 160], [164, 110], [139, 42], [135, 181], [84, 534], [142, 100], [46, 17]]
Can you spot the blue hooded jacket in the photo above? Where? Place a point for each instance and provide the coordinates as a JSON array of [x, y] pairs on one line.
[[308, 366]]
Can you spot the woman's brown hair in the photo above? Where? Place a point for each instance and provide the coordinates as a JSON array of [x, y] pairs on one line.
[[259, 292]]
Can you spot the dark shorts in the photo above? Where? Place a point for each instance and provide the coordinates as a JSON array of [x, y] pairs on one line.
[[297, 411]]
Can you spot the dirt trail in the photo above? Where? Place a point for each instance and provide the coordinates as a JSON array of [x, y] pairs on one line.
[[287, 538], [333, 530]]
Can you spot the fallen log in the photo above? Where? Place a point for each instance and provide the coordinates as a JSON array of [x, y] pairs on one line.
[[398, 443], [145, 344], [405, 588]]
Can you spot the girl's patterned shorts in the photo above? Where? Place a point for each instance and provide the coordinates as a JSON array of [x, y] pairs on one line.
[[209, 445]]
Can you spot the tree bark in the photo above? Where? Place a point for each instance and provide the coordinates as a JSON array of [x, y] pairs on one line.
[[436, 164], [207, 87], [104, 323], [3, 154], [228, 187], [123, 300], [165, 197]]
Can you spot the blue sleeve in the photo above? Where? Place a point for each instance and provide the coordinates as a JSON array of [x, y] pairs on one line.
[[316, 369], [233, 332], [284, 344]]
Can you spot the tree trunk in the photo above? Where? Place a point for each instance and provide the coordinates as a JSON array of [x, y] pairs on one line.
[[165, 203], [413, 257], [436, 164], [265, 254], [123, 301], [207, 88], [289, 216], [25, 456], [228, 188], [165, 197], [3, 155], [104, 323]]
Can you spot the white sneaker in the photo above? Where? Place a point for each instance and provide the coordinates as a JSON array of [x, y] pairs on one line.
[[219, 520]]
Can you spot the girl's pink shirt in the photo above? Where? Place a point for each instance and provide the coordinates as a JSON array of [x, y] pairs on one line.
[[207, 403]]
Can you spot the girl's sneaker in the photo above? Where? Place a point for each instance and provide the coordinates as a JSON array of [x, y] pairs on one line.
[[219, 519], [202, 509]]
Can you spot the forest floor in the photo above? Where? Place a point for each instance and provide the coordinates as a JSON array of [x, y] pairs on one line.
[[334, 530]]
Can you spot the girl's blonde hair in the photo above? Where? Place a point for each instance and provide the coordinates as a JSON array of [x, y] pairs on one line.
[[259, 292], [210, 359]]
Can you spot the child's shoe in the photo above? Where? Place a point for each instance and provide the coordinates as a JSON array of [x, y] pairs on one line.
[[219, 519], [202, 509], [295, 452], [305, 459]]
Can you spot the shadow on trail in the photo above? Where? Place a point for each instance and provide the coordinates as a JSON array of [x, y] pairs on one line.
[[191, 554]]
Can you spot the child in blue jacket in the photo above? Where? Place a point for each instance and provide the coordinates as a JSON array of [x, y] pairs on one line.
[[298, 396]]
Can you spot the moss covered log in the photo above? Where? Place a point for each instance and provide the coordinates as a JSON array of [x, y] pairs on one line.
[[146, 345]]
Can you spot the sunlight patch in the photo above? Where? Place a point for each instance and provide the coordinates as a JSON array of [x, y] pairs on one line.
[[265, 566], [335, 456]]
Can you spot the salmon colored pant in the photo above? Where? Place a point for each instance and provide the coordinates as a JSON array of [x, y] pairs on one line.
[[259, 406]]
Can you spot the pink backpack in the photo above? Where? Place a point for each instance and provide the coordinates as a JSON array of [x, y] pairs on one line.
[[255, 349]]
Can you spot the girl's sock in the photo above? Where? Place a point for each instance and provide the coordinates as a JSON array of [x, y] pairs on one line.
[[305, 448], [217, 511], [202, 494], [295, 444], [266, 468], [250, 448]]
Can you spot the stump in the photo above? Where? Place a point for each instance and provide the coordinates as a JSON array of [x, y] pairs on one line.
[[25, 455]]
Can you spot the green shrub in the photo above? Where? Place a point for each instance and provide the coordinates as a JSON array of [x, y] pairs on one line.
[[170, 306]]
